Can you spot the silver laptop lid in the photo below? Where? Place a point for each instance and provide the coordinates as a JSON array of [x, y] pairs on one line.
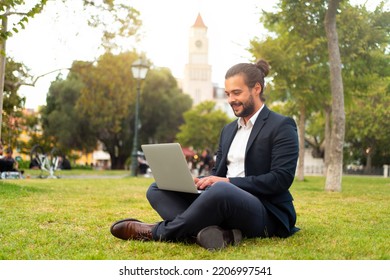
[[169, 167]]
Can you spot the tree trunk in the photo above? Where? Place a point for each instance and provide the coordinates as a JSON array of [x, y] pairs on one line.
[[4, 24], [327, 138], [117, 163], [301, 134], [118, 155], [335, 169]]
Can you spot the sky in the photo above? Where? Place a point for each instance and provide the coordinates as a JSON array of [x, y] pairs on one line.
[[55, 38]]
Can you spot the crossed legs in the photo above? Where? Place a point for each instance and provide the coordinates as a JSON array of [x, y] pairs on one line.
[[225, 205]]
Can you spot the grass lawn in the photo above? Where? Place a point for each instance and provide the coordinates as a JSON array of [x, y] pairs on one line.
[[69, 219]]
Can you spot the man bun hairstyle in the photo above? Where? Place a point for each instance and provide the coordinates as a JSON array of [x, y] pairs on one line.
[[263, 66], [253, 73]]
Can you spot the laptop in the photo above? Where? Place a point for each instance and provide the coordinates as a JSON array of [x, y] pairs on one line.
[[169, 167]]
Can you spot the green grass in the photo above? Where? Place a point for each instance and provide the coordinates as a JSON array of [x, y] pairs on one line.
[[69, 219]]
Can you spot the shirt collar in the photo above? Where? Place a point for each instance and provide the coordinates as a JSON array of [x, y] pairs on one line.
[[251, 121]]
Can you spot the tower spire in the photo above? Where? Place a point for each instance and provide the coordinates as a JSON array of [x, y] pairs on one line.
[[199, 22]]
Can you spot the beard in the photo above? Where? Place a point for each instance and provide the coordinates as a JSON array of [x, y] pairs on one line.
[[248, 107]]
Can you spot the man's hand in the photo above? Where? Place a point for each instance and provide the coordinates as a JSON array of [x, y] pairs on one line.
[[208, 181]]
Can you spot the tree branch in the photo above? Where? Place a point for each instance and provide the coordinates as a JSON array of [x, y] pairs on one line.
[[34, 81], [6, 14]]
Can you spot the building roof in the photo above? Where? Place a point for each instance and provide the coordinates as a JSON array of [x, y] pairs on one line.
[[199, 22]]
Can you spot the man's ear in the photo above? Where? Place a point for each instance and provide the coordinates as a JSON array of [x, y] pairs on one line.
[[257, 89]]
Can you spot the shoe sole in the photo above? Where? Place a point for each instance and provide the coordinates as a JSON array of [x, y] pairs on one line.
[[212, 237]]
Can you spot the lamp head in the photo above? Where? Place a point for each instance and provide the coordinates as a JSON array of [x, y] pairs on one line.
[[140, 68]]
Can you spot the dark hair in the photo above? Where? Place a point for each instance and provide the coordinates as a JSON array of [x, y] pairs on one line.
[[252, 72]]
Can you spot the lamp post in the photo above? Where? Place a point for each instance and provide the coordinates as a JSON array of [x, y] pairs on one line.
[[139, 69]]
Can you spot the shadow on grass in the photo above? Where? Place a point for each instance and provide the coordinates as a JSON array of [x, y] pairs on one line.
[[13, 190]]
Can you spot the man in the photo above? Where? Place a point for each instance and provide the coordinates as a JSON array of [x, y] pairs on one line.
[[8, 162], [247, 194], [206, 161]]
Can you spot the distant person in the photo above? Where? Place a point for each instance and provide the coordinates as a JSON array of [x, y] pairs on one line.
[[7, 162], [205, 161], [34, 164], [247, 194], [64, 163], [1, 151], [142, 163], [9, 157]]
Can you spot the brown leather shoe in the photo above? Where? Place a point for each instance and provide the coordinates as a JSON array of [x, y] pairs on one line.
[[216, 238], [132, 229]]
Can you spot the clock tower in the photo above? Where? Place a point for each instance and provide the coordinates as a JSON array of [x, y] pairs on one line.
[[197, 74]]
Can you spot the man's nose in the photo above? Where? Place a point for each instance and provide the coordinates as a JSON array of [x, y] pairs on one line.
[[231, 98]]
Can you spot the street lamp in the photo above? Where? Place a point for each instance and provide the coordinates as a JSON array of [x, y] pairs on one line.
[[139, 69]]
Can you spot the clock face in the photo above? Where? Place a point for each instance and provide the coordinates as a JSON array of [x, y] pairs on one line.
[[198, 43]]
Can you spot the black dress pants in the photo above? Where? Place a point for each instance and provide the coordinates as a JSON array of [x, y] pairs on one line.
[[223, 204]]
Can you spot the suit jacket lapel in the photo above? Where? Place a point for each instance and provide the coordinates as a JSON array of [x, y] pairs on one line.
[[231, 131], [260, 121]]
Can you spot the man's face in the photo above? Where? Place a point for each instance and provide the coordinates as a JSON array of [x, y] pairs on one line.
[[244, 101]]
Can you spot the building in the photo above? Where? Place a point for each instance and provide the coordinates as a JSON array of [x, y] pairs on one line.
[[197, 81], [197, 73]]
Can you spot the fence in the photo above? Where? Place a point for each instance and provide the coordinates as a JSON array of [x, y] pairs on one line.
[[374, 171]]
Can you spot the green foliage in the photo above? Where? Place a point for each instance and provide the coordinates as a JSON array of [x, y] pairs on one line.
[[32, 126], [96, 102], [364, 48], [13, 103], [368, 129], [117, 20], [162, 107], [69, 219], [366, 71], [62, 122], [106, 101], [18, 8], [10, 8], [113, 18], [297, 52], [202, 127]]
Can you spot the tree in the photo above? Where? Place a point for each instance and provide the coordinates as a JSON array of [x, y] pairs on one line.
[[106, 102], [9, 9], [32, 125], [335, 168], [61, 121], [12, 102], [114, 18], [367, 129], [296, 51], [162, 107], [366, 69], [117, 20], [202, 126], [298, 54]]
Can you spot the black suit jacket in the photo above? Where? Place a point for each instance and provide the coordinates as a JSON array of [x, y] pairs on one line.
[[270, 163]]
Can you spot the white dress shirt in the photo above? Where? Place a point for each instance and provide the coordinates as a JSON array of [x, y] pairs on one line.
[[236, 155]]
